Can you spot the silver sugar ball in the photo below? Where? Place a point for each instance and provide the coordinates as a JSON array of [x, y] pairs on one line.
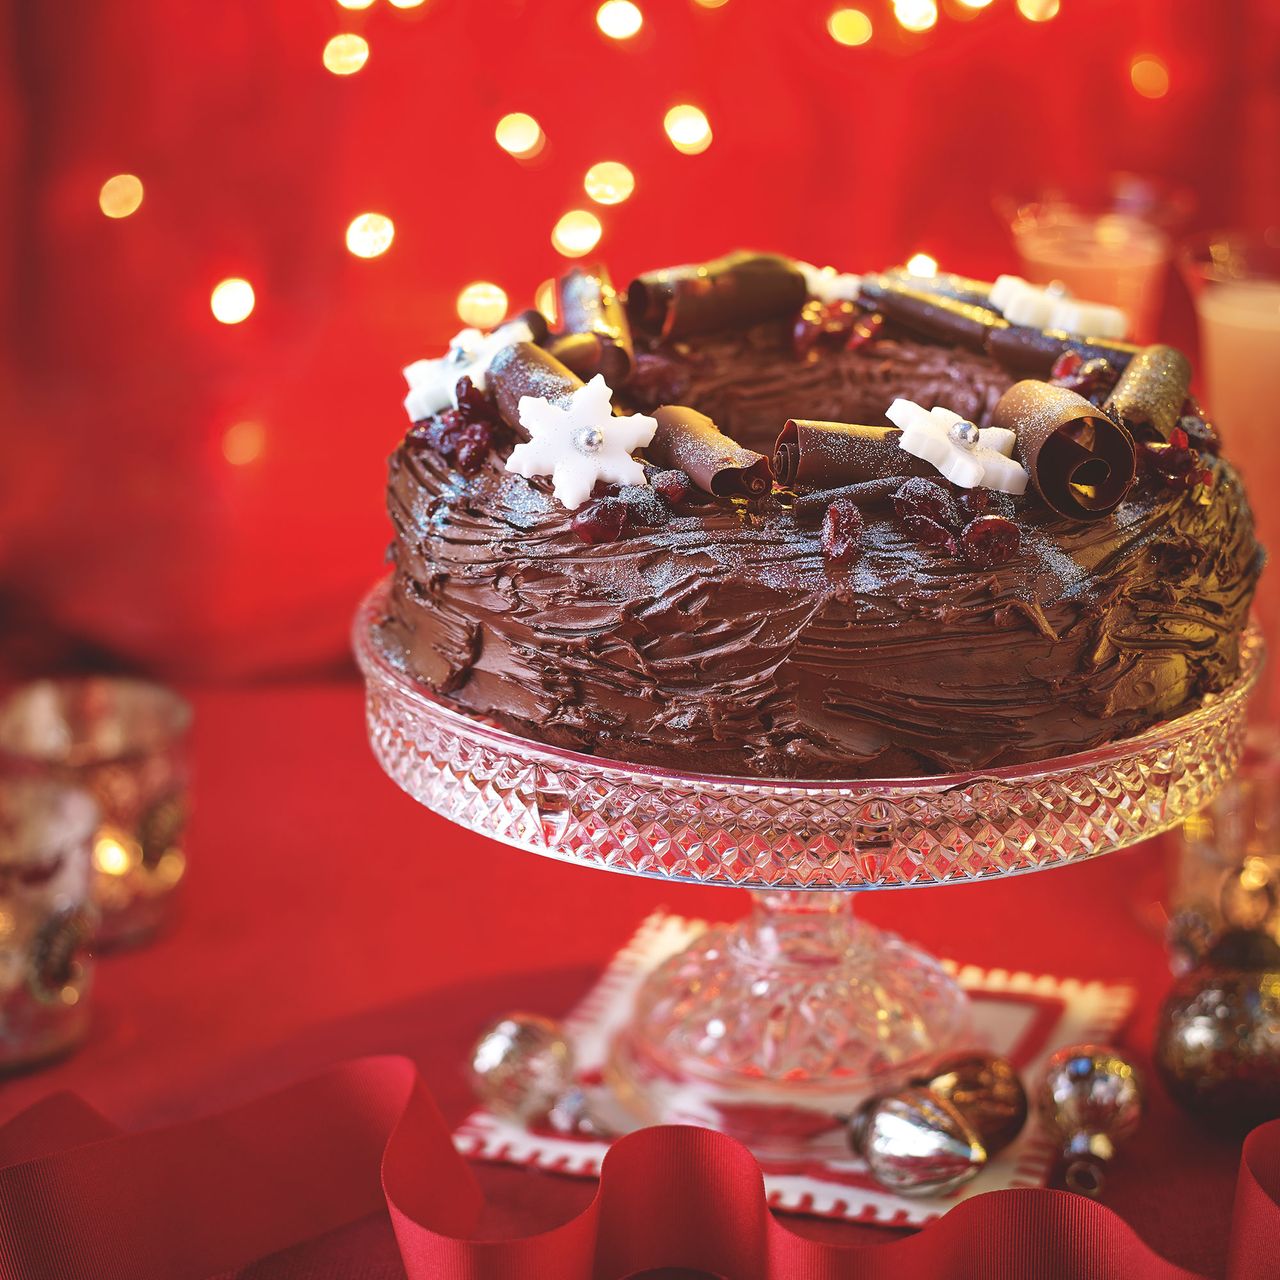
[[521, 1065], [590, 440], [965, 434]]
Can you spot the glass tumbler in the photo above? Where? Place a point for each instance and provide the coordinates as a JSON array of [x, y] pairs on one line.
[[124, 741], [47, 918]]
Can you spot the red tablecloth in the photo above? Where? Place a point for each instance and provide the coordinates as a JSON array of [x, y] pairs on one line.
[[326, 915]]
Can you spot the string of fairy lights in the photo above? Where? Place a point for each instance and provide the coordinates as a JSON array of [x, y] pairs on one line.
[[579, 230]]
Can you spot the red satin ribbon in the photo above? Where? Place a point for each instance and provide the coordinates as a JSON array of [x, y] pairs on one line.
[[81, 1201]]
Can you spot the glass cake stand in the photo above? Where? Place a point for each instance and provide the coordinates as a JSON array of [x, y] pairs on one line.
[[767, 1028]]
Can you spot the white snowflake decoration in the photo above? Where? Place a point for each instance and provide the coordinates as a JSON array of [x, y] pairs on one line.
[[580, 444], [966, 455], [1053, 307], [433, 383], [829, 285]]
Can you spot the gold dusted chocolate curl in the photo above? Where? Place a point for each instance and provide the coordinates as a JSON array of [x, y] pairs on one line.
[[1081, 463]]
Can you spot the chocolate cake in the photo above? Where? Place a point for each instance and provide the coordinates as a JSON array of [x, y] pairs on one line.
[[760, 566]]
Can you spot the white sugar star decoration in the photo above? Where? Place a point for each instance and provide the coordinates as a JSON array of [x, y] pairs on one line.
[[1054, 308], [968, 456], [433, 383], [829, 285], [580, 444]]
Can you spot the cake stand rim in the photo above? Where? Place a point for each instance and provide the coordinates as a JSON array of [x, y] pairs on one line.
[[374, 663]]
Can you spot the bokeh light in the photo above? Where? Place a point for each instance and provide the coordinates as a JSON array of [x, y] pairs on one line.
[[544, 298], [578, 232], [849, 26], [114, 853], [1149, 76], [232, 300], [974, 4], [520, 135], [355, 4], [711, 4], [370, 234], [406, 4], [345, 54], [482, 304], [609, 182], [243, 443], [688, 129], [1039, 10], [921, 264], [915, 15], [619, 19], [120, 196]]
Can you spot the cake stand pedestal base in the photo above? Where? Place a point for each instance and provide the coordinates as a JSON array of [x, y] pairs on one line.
[[771, 1028]]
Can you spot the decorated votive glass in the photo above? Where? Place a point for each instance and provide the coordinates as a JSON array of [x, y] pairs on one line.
[[124, 741], [47, 918], [1227, 877]]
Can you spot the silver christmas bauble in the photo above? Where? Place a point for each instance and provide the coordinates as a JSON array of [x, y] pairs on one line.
[[521, 1065], [916, 1143], [1089, 1101], [985, 1090]]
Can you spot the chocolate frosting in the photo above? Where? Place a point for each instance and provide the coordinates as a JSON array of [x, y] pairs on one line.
[[724, 638]]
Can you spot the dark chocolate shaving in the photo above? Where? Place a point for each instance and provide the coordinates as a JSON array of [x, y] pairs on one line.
[[589, 305], [733, 292], [1035, 351], [866, 493], [822, 455], [525, 370], [690, 442], [936, 316], [584, 353], [944, 284], [1081, 462], [1149, 397]]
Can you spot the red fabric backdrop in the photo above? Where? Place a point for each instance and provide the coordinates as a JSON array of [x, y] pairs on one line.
[[121, 523]]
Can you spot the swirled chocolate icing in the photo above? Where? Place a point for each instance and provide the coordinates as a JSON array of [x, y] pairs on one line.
[[724, 638]]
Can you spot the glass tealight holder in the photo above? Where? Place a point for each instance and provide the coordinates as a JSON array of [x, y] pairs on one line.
[[47, 919], [1227, 877], [1110, 242], [124, 741]]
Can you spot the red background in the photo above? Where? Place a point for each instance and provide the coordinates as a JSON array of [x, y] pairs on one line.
[[123, 527], [326, 914]]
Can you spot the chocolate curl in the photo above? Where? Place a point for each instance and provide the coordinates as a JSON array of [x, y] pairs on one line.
[[865, 493], [945, 319], [581, 352], [689, 441], [945, 284], [1149, 397], [1035, 351], [1081, 462], [733, 292], [523, 369], [589, 305], [822, 455], [537, 323]]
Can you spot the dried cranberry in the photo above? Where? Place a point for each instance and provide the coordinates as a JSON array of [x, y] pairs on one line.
[[657, 379], [823, 324], [1065, 366], [646, 508], [474, 444], [604, 520], [930, 533], [1202, 433], [986, 502], [675, 486], [920, 497], [841, 530], [474, 403], [866, 328], [990, 540]]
